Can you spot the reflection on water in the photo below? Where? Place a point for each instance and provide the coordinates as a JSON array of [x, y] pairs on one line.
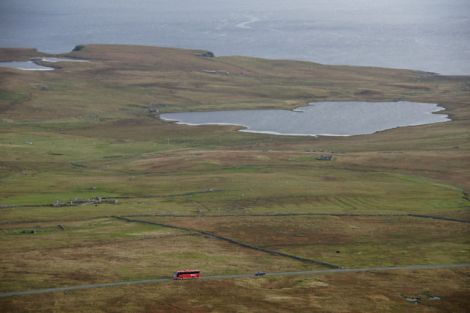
[[320, 118]]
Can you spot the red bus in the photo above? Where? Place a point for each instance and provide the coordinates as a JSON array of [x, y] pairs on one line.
[[187, 274]]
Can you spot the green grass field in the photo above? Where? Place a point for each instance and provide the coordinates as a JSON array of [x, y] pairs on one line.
[[84, 131]]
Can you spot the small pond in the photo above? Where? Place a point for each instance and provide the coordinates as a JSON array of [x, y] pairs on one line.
[[55, 60], [25, 66], [320, 118], [33, 64]]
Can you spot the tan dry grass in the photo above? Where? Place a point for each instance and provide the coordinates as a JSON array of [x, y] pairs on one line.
[[336, 293]]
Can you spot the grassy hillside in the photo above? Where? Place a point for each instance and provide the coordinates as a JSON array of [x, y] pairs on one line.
[[82, 144]]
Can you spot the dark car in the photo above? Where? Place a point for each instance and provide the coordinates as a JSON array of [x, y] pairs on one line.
[[260, 273]]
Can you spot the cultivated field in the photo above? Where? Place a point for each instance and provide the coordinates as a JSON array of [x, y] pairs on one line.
[[94, 188]]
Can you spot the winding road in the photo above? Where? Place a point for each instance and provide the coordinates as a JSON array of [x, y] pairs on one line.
[[236, 276]]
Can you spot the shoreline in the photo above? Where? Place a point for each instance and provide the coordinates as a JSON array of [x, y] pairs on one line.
[[34, 52], [246, 128]]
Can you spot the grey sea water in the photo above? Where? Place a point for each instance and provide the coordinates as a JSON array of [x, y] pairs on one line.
[[430, 35]]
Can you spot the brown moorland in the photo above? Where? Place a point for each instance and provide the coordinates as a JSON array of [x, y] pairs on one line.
[[82, 144]]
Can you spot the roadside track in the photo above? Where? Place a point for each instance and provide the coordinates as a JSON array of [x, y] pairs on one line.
[[236, 276]]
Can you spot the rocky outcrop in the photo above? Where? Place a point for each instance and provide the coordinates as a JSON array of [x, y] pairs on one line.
[[78, 48], [206, 54]]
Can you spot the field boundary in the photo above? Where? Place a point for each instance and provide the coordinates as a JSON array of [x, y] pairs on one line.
[[102, 200], [233, 241], [436, 217], [442, 218]]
